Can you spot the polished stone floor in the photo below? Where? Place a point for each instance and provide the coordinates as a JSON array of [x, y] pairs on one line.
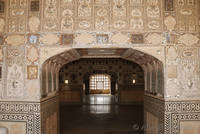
[[102, 116]]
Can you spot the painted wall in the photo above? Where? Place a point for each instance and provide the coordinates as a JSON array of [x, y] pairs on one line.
[[33, 32]]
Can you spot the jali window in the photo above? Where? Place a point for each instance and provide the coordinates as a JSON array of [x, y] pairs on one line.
[[100, 82]]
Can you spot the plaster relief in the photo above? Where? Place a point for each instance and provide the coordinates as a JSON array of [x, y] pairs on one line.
[[155, 39], [15, 40], [84, 10], [15, 80], [50, 9], [154, 25], [172, 71], [51, 24], [101, 1], [188, 39], [85, 38], [119, 24], [136, 13], [49, 39], [84, 24], [153, 11], [137, 23], [172, 53], [119, 8], [2, 25], [102, 23], [120, 38], [67, 24], [34, 24], [17, 12], [32, 54], [170, 23]]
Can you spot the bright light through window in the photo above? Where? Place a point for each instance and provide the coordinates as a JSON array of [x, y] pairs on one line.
[[134, 81], [100, 82], [66, 81]]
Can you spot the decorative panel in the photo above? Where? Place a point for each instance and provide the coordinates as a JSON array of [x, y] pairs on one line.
[[68, 15], [186, 15], [51, 15], [17, 16], [26, 112]]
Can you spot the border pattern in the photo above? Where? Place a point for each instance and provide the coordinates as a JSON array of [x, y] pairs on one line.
[[22, 112]]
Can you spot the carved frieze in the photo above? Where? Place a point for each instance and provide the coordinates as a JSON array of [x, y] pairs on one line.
[[15, 40], [33, 38], [137, 38], [67, 39], [120, 38], [85, 38], [155, 39], [102, 38], [188, 39], [49, 39]]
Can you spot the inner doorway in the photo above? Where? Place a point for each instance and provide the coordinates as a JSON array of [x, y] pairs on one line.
[[152, 84], [112, 90]]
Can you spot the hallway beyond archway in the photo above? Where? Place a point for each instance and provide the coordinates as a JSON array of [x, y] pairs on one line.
[[127, 87]]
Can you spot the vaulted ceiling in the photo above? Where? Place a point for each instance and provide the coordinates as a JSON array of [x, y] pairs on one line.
[[129, 54]]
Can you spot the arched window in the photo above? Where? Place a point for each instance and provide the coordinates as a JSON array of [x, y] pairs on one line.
[[100, 84]]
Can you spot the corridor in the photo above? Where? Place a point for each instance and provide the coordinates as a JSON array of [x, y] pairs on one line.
[[101, 115]]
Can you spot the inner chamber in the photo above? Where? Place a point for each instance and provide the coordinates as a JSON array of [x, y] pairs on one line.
[[106, 91]]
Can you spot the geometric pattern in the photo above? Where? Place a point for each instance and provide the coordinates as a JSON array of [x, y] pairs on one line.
[[22, 112], [171, 113]]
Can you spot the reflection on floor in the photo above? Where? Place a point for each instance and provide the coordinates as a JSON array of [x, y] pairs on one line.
[[99, 99], [101, 116]]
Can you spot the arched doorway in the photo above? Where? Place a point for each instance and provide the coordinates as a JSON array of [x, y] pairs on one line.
[[153, 69]]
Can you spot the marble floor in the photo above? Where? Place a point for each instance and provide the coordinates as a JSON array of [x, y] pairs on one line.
[[101, 116]]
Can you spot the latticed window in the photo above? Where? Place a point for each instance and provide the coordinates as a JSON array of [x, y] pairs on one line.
[[100, 82]]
